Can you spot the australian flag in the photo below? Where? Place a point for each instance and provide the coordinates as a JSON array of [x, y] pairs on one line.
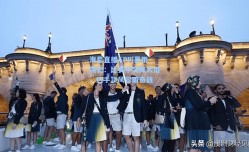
[[110, 47]]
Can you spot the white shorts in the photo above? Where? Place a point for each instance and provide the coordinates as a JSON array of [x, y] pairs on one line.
[[50, 122], [130, 125], [75, 129], [115, 122], [221, 137], [61, 121]]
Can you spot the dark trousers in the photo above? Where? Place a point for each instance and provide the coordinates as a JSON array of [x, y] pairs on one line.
[[168, 146]]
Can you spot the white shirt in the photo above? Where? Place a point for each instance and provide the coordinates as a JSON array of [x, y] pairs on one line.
[[129, 108], [112, 106], [224, 103], [95, 107]]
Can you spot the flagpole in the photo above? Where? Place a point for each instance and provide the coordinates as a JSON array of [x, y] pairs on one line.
[[120, 59]]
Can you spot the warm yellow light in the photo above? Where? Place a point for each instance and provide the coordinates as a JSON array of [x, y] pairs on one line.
[[50, 35], [24, 37], [212, 22], [177, 24]]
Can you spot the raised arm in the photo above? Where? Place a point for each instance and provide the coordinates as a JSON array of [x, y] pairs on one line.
[[58, 87], [120, 74]]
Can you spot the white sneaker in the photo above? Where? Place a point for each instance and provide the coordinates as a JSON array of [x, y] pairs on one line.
[[150, 147], [44, 142], [32, 147], [61, 147], [117, 150], [178, 150], [74, 148], [111, 149], [25, 147], [79, 146], [89, 146], [56, 146], [156, 149], [140, 146], [50, 143]]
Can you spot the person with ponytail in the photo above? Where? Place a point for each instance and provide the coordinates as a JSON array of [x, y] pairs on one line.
[[97, 118], [197, 122], [15, 127], [169, 129], [33, 121]]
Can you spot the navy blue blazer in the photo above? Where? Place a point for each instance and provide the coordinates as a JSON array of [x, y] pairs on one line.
[[34, 112], [139, 106], [103, 109], [176, 99], [196, 114], [62, 105], [20, 107], [49, 107], [219, 115]]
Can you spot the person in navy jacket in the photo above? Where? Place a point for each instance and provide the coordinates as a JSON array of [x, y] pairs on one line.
[[223, 118], [15, 128], [33, 121], [197, 123], [97, 119], [62, 112], [50, 115], [113, 97], [79, 103], [135, 112]]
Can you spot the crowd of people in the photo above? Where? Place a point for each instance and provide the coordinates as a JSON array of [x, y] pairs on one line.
[[181, 119]]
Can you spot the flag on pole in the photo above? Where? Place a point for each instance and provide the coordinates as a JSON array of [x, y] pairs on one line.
[[62, 58], [110, 48]]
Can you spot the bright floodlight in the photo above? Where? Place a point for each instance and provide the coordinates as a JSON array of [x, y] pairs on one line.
[[177, 24], [24, 37], [212, 22], [50, 35]]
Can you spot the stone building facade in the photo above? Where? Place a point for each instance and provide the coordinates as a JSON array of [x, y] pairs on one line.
[[207, 55]]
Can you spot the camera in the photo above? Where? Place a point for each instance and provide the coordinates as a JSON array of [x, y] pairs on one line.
[[227, 92]]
